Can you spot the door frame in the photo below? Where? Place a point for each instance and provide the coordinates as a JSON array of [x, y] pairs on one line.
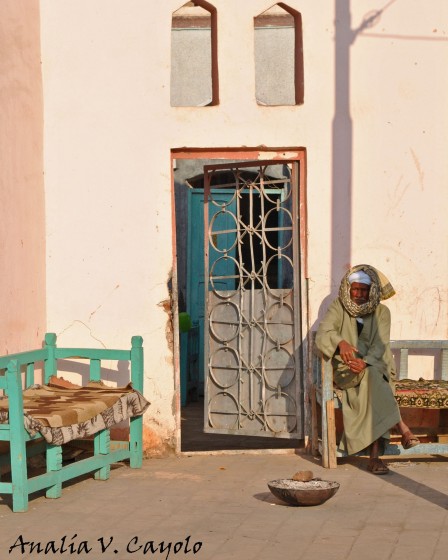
[[276, 155]]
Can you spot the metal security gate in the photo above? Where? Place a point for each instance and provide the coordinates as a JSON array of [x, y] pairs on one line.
[[253, 372]]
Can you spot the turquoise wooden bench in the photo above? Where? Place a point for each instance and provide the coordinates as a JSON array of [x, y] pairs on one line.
[[324, 401], [16, 367]]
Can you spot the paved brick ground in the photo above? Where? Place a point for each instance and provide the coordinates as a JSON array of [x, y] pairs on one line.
[[220, 507]]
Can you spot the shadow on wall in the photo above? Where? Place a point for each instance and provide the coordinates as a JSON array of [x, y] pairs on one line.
[[119, 375], [342, 143]]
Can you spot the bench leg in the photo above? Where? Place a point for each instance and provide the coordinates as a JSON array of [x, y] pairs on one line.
[[54, 463], [101, 446], [328, 418], [314, 424], [19, 477], [17, 449], [136, 442], [331, 436]]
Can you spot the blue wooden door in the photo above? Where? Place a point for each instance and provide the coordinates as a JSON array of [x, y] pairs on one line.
[[224, 272]]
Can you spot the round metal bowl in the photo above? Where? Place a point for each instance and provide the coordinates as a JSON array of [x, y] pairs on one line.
[[297, 493]]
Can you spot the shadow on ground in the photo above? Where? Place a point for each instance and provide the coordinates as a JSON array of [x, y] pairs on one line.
[[408, 484], [193, 437]]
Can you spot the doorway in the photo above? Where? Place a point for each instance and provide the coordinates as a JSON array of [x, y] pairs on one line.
[[239, 264]]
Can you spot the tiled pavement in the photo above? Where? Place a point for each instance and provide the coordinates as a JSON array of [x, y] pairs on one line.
[[218, 507]]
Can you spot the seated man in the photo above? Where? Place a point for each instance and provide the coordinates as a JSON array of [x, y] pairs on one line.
[[355, 334]]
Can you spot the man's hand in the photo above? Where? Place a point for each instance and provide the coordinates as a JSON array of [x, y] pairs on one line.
[[347, 353], [357, 365]]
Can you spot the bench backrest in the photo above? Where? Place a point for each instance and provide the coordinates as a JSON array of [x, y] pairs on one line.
[[403, 347], [50, 353], [27, 360]]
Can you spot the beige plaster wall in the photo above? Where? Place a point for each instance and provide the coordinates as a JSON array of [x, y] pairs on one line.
[[22, 234], [400, 119], [374, 125]]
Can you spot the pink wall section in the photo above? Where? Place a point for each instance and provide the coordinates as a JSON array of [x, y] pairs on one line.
[[22, 219]]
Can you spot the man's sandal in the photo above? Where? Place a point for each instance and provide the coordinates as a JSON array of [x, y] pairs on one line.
[[408, 440], [376, 466]]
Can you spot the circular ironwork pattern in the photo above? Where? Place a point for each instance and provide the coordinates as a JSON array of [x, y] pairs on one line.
[[279, 261], [285, 227], [283, 186], [224, 367], [224, 188], [215, 277], [223, 412], [218, 234], [280, 323], [279, 368], [281, 413], [225, 321], [252, 383]]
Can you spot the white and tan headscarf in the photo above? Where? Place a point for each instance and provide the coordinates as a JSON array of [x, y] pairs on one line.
[[380, 289]]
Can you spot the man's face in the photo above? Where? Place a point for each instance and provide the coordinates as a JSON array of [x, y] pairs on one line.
[[359, 293]]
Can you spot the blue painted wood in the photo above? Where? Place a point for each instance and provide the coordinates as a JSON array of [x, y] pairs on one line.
[[136, 443], [6, 488], [105, 452], [91, 353], [19, 473], [196, 289], [137, 363], [195, 261], [136, 424], [23, 358], [50, 364], [101, 446], [95, 370], [183, 354], [5, 434], [74, 470], [54, 463], [29, 378]]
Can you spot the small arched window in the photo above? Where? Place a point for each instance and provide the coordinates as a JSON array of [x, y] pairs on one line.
[[194, 73], [279, 76]]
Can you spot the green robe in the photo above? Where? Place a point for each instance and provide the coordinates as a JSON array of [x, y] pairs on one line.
[[369, 409]]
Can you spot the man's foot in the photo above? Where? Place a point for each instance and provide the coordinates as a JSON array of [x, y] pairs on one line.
[[376, 466], [408, 440]]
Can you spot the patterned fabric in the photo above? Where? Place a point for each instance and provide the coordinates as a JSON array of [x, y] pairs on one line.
[[350, 306], [387, 290], [61, 414], [423, 393]]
